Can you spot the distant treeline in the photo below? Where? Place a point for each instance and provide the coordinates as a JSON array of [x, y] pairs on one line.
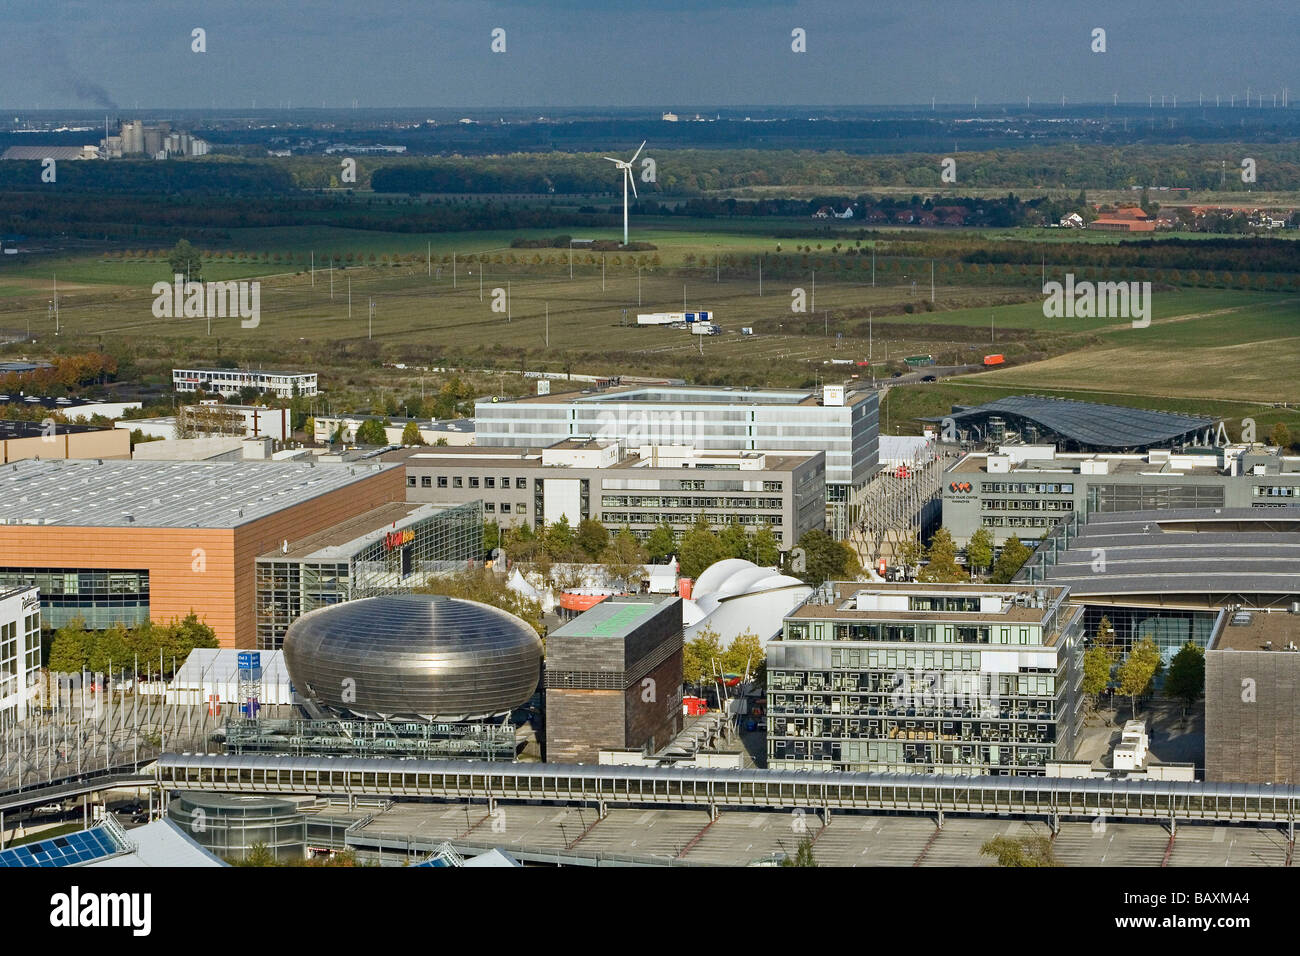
[[687, 172]]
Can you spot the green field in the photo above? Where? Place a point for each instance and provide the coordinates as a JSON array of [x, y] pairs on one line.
[[1211, 351]]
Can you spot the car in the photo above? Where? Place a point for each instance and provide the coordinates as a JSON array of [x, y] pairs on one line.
[[898, 375], [929, 378], [50, 808]]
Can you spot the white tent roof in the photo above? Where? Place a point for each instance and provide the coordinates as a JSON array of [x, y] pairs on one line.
[[220, 664]]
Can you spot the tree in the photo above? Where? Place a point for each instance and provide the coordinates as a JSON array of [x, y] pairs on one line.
[[979, 549], [698, 654], [745, 651], [70, 650], [700, 548], [592, 538], [557, 539], [764, 548], [1014, 555], [491, 537], [803, 856], [309, 429], [624, 558], [1280, 436], [1033, 850], [185, 261], [1186, 679], [1097, 664], [371, 432], [1138, 670], [818, 558], [486, 587], [942, 564], [733, 541], [661, 543], [911, 553], [411, 434], [110, 649]]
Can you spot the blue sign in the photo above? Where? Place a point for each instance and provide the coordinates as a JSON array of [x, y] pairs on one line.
[[249, 660]]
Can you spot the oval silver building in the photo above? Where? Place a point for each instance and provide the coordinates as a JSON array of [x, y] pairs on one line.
[[422, 656]]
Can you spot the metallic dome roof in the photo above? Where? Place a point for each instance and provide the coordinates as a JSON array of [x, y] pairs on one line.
[[414, 655]]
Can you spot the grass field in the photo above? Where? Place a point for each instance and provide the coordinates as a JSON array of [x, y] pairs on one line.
[[1231, 350]]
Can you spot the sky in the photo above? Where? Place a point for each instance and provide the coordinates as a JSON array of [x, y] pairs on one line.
[[660, 54]]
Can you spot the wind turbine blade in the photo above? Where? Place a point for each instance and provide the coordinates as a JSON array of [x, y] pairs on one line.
[[632, 181], [638, 152], [613, 160]]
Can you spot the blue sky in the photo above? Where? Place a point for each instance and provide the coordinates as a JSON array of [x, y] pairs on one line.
[[621, 53]]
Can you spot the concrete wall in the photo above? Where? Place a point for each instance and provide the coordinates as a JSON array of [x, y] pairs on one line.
[[108, 443]]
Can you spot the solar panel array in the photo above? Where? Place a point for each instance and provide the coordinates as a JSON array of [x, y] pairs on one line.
[[95, 844]]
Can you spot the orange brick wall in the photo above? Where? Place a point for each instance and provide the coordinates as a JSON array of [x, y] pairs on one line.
[[218, 583]]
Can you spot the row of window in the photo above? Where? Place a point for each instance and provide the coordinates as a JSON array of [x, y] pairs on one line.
[[655, 501], [1026, 488], [910, 633], [997, 521], [1277, 491], [458, 481], [685, 518], [1024, 504]]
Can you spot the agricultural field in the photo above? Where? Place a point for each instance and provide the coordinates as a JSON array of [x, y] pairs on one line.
[[533, 316]]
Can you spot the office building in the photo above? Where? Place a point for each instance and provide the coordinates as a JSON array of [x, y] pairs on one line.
[[129, 541], [1252, 697], [843, 425], [387, 550], [20, 651], [613, 679], [229, 381], [640, 488], [1023, 490], [918, 678]]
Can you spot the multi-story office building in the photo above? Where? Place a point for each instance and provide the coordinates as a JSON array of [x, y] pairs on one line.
[[20, 651], [229, 381], [916, 678], [845, 426], [1023, 490], [385, 551], [130, 541], [1252, 697], [578, 479]]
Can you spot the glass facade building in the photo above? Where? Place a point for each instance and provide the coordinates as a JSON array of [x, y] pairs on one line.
[[385, 559], [100, 597], [913, 679]]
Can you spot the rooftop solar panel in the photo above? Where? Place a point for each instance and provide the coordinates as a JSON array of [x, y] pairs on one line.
[[66, 850]]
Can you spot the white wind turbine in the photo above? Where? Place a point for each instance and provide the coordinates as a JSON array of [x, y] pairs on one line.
[[627, 178]]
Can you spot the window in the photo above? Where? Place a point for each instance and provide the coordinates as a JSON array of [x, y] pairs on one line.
[[489, 482], [490, 507], [458, 482], [521, 508], [505, 507], [505, 481], [521, 484], [426, 482], [410, 481], [473, 482]]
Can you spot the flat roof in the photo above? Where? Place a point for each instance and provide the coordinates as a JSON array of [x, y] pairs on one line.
[[165, 494], [1280, 627], [463, 456], [341, 541], [239, 371], [10, 429], [614, 617], [694, 395]]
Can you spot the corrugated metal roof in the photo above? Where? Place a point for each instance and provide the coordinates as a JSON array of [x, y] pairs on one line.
[[1088, 423]]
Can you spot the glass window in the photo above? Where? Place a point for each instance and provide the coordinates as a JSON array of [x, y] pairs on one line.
[[473, 482], [442, 481]]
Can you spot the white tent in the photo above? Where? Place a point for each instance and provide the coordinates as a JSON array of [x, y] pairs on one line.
[[212, 671], [520, 585], [662, 577], [733, 596]]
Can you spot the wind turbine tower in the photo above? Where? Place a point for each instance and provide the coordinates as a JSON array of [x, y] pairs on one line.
[[627, 178]]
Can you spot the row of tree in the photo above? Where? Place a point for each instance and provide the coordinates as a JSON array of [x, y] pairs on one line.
[[148, 647], [938, 562], [1134, 676]]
